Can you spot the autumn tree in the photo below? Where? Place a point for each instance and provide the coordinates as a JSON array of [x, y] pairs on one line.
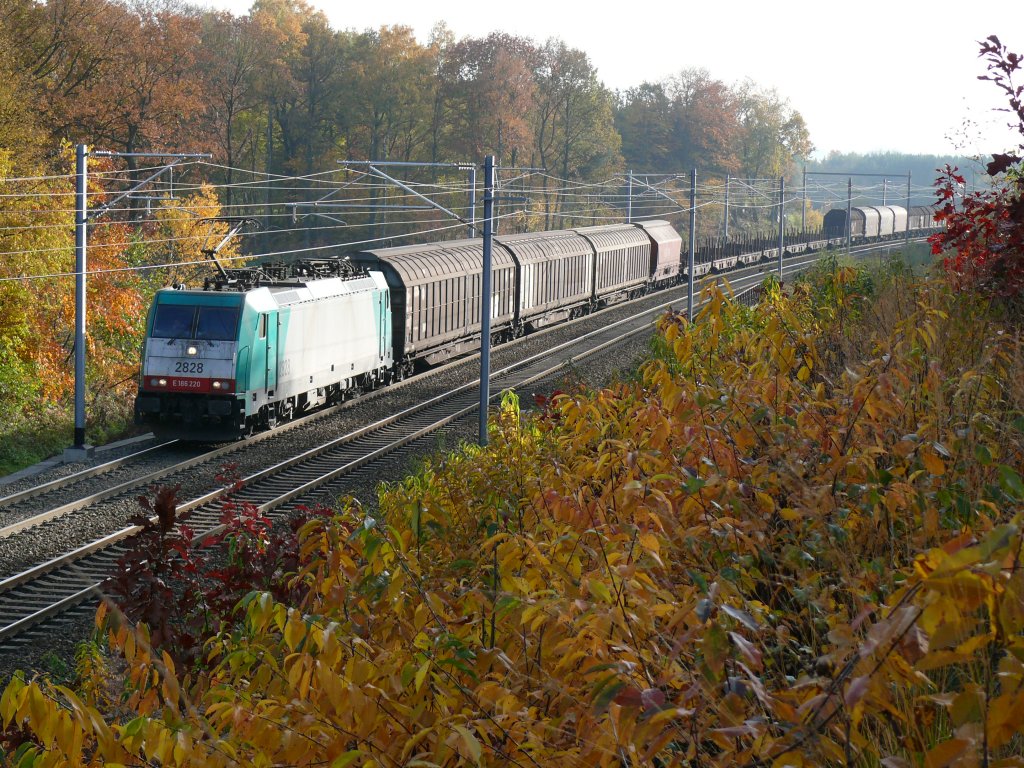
[[772, 133], [184, 229], [308, 115], [985, 229], [493, 92], [644, 120], [445, 76], [706, 129], [35, 239], [37, 303], [574, 135], [235, 53], [692, 120], [21, 127], [64, 48], [148, 96], [389, 95]]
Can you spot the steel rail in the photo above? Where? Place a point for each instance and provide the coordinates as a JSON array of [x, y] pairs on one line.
[[148, 478], [16, 527], [66, 571], [84, 474]]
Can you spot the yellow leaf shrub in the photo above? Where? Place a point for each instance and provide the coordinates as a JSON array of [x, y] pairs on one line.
[[760, 552]]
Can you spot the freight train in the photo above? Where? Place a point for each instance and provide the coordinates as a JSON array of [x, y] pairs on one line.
[[878, 222], [259, 345]]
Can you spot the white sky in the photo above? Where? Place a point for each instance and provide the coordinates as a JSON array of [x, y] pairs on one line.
[[866, 76]]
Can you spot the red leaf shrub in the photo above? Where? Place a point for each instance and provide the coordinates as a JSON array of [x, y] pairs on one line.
[[985, 229]]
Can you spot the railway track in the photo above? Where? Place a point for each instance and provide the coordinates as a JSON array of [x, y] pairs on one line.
[[55, 585], [167, 463]]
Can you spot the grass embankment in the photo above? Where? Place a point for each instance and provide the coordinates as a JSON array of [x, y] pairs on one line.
[[792, 539], [25, 441]]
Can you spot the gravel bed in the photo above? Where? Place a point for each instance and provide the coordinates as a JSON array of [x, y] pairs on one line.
[[125, 473], [54, 468], [17, 553]]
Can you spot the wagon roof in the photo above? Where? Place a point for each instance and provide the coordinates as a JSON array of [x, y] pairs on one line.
[[610, 236], [542, 246], [418, 264], [660, 231]]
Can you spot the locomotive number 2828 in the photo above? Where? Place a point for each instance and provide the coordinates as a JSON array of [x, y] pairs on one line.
[[188, 366]]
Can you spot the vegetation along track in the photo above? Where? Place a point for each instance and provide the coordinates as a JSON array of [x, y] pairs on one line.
[[46, 589]]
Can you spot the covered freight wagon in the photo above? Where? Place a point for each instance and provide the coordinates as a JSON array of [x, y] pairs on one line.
[[666, 253], [554, 271], [436, 290], [622, 261], [866, 221]]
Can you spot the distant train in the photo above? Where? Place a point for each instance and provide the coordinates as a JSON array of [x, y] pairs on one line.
[[260, 345], [878, 221]]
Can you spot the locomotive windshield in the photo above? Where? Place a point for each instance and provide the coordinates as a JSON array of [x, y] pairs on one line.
[[220, 323], [173, 321], [184, 321]]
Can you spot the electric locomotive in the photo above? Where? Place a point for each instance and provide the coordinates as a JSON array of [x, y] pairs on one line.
[[261, 346]]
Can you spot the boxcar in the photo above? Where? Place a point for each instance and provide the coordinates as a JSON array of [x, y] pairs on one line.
[[622, 260], [899, 218], [921, 217], [554, 272], [435, 297], [866, 221], [666, 252]]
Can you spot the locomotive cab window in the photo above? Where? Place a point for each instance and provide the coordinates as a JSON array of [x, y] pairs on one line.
[[217, 323], [185, 321], [173, 321]]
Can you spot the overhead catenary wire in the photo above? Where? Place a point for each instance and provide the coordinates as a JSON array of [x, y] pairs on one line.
[[593, 201], [664, 208], [247, 257], [737, 200], [749, 188], [320, 228]]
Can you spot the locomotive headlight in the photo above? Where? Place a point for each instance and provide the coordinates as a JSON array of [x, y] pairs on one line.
[[192, 351], [216, 385], [162, 382]]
